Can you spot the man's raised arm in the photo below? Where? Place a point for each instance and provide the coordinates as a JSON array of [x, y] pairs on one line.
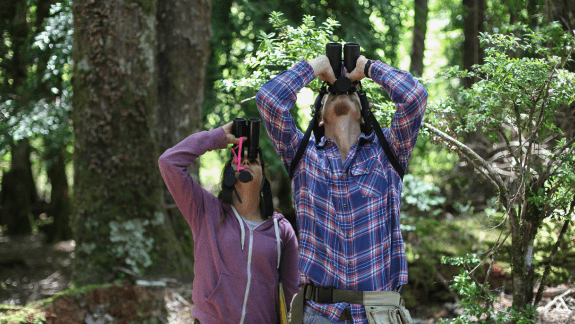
[[278, 96], [410, 98]]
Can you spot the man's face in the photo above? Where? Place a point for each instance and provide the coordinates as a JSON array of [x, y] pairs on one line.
[[341, 105]]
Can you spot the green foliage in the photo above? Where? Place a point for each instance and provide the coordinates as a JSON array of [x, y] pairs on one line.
[[420, 194], [44, 108], [521, 104], [237, 26], [511, 89], [21, 315], [285, 47], [377, 26], [477, 301], [280, 50]]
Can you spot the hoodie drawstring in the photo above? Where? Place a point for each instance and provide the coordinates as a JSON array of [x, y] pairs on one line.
[[241, 225], [278, 240]]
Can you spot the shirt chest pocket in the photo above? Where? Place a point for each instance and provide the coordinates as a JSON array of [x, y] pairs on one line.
[[369, 177]]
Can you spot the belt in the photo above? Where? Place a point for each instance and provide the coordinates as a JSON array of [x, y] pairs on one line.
[[331, 295]]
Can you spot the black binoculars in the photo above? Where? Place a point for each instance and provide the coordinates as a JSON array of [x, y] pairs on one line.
[[250, 129], [350, 55]]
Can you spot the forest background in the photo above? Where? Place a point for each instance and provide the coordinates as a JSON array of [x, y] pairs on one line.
[[92, 92]]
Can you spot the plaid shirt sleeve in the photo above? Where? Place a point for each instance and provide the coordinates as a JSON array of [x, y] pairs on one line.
[[410, 98], [275, 99]]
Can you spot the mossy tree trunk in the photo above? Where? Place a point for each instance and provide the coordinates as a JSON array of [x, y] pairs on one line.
[[524, 226], [183, 50], [119, 218]]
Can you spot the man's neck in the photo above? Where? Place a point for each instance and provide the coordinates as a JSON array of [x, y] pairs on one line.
[[344, 131]]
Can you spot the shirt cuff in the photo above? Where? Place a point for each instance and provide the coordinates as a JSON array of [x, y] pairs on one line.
[[305, 70]]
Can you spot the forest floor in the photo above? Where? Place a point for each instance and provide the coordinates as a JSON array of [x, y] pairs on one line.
[[34, 274]]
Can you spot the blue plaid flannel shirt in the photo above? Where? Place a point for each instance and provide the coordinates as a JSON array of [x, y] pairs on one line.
[[347, 213]]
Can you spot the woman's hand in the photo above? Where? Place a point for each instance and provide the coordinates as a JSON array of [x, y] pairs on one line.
[[230, 137]]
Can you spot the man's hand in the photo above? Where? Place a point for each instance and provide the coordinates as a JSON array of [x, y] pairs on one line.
[[357, 73], [322, 69], [230, 137]]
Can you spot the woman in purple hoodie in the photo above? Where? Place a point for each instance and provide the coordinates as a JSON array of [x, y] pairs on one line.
[[240, 254]]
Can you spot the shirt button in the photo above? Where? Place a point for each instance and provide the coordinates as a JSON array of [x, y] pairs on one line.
[[348, 235], [344, 205], [349, 263]]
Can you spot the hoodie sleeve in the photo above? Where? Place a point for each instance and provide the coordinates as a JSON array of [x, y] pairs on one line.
[[187, 193], [289, 261]]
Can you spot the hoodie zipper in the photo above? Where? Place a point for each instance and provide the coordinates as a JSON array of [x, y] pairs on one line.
[[249, 276], [250, 248]]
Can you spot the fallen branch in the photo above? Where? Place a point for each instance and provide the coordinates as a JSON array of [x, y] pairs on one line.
[[182, 300], [553, 292], [558, 299]]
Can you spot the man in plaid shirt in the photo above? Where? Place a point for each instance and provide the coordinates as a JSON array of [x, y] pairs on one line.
[[347, 195]]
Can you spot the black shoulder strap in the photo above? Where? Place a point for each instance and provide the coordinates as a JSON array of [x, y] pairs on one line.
[[313, 125], [369, 120], [372, 124], [301, 149]]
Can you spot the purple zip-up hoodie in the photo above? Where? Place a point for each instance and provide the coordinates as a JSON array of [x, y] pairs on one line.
[[237, 269]]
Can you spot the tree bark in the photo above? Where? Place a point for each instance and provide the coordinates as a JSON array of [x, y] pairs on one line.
[[220, 44], [118, 212], [59, 208], [18, 32], [18, 192], [418, 38], [564, 12], [18, 187], [183, 53], [473, 24], [524, 227]]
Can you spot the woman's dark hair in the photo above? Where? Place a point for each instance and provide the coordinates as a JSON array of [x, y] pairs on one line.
[[227, 165]]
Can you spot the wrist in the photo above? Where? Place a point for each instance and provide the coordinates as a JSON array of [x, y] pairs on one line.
[[367, 68]]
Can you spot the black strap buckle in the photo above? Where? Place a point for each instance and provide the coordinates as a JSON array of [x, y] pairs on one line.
[[323, 295]]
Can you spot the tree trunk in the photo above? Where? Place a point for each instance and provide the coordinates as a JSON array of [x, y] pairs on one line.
[[418, 38], [523, 232], [564, 12], [118, 212], [19, 33], [59, 208], [220, 44], [18, 187], [183, 52], [472, 26], [18, 192]]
